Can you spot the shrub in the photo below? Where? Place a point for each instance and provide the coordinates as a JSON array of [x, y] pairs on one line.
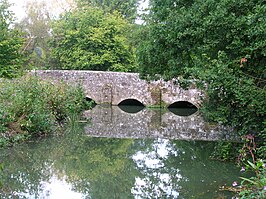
[[30, 106]]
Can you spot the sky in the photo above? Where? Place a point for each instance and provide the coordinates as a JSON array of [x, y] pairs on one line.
[[55, 5], [19, 6]]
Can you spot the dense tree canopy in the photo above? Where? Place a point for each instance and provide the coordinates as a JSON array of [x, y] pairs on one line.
[[88, 38], [10, 43], [184, 32]]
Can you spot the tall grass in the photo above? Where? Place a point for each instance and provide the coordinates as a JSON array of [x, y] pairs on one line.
[[30, 106]]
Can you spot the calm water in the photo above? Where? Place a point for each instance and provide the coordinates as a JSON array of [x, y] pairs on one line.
[[148, 154]]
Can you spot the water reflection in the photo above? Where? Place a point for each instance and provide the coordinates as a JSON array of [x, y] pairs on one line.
[[183, 111], [78, 166], [156, 182], [54, 188], [131, 109], [111, 121]]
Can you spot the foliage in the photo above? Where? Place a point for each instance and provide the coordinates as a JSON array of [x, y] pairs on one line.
[[10, 43], [255, 187], [231, 97], [182, 31], [30, 106], [87, 38], [261, 148], [225, 151], [128, 8]]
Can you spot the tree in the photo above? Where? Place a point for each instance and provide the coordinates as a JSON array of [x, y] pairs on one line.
[[87, 38], [221, 43], [128, 8], [36, 25], [183, 31], [10, 43]]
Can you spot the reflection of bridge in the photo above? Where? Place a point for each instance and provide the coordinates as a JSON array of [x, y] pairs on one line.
[[111, 121], [115, 87]]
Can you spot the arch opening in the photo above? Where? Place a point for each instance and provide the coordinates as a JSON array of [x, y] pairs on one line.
[[182, 108], [90, 102], [131, 106]]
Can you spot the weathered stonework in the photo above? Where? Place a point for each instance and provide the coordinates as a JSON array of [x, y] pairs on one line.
[[114, 87]]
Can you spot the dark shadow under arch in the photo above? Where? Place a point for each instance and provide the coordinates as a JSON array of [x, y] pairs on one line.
[[131, 102], [131, 106], [182, 108]]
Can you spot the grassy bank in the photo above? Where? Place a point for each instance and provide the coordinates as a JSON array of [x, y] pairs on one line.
[[33, 107]]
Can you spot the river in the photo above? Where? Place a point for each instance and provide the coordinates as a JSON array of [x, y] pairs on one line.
[[121, 153]]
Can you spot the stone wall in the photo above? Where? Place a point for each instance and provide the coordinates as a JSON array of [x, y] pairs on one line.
[[114, 87]]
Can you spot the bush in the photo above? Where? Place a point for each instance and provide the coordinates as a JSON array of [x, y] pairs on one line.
[[30, 106]]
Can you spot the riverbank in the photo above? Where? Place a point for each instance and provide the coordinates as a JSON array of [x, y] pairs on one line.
[[33, 107]]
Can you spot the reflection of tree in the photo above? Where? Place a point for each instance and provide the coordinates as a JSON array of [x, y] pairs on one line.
[[157, 179], [202, 173], [23, 170], [172, 169], [98, 165]]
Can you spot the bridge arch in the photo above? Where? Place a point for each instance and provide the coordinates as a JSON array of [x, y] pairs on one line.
[[183, 108], [131, 106], [130, 102]]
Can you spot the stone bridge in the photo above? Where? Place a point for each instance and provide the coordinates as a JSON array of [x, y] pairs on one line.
[[116, 87]]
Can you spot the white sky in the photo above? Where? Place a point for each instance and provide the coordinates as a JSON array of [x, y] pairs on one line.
[[56, 6], [19, 6]]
